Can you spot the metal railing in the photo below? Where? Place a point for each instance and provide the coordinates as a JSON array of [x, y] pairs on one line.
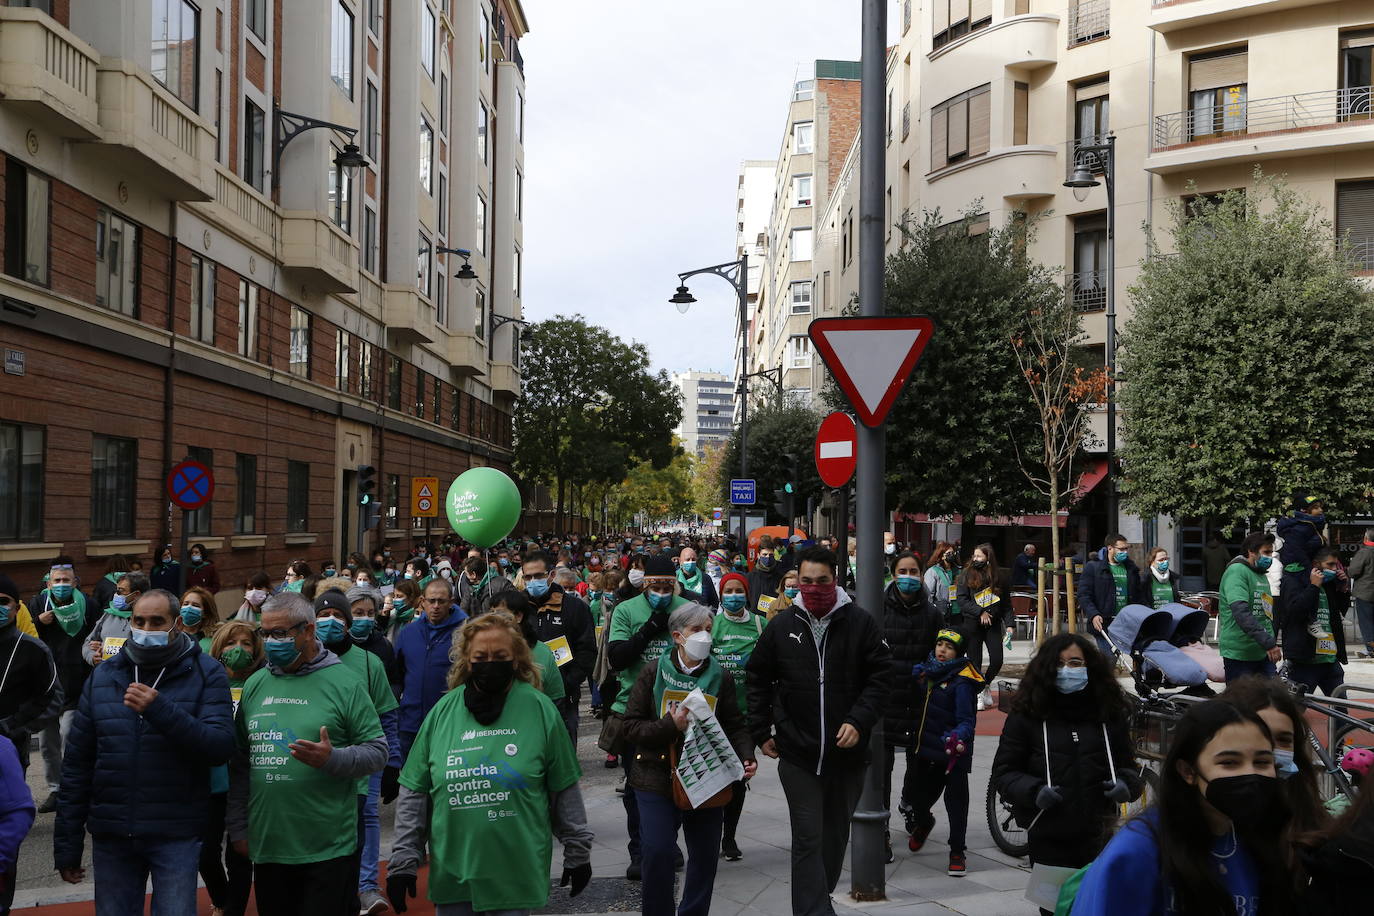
[[1087, 290], [1073, 157], [1360, 251], [1247, 117], [1089, 19], [906, 16], [906, 120]]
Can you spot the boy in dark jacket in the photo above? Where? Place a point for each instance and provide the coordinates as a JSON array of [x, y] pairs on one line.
[[947, 686], [1313, 624]]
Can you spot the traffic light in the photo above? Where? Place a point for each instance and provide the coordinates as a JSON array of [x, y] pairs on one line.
[[370, 509]]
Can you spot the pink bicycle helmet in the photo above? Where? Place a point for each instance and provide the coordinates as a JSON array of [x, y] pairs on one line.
[[1358, 760]]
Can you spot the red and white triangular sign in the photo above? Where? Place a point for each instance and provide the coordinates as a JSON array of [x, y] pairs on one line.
[[871, 358]]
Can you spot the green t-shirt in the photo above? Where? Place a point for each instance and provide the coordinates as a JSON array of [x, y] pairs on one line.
[[551, 682], [626, 620], [490, 838], [1323, 640], [370, 668], [732, 642], [1241, 583], [289, 801], [1161, 593], [1123, 586]]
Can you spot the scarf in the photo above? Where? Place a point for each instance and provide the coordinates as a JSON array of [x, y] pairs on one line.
[[937, 671], [116, 612], [72, 615], [671, 686], [692, 584]]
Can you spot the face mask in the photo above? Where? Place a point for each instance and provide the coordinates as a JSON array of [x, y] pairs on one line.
[[1328, 575], [195, 558], [410, 575], [330, 630], [1263, 562], [255, 595], [593, 595], [1253, 802], [282, 652], [979, 564], [166, 558], [148, 638], [1284, 764], [765, 561], [1162, 566], [5, 614], [1121, 556], [492, 677], [889, 549], [697, 646], [733, 603], [191, 615], [909, 584], [330, 572], [636, 577], [689, 566], [391, 571], [819, 599], [537, 588], [398, 602], [504, 562], [791, 592], [119, 602], [236, 658], [60, 592], [361, 627], [1070, 680], [713, 569], [659, 602]]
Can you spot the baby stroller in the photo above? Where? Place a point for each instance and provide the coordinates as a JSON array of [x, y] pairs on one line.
[[1150, 643]]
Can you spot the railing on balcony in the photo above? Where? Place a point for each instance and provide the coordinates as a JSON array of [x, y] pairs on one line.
[[174, 126], [248, 206], [906, 120], [65, 61], [1087, 290], [1074, 156], [1089, 20], [1360, 250], [1248, 117]]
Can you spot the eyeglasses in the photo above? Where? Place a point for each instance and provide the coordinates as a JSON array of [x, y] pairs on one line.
[[286, 633]]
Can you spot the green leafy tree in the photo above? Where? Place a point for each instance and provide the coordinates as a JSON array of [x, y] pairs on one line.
[[1246, 364], [706, 474], [589, 408], [662, 494], [776, 430]]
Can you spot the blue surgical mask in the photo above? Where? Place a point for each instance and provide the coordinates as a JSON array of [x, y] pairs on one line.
[[537, 588], [119, 602], [148, 638], [61, 592], [909, 583], [1284, 764], [659, 602], [398, 602], [593, 595], [191, 615], [791, 592], [361, 628], [330, 571], [329, 630], [1121, 556], [733, 603], [281, 652], [1162, 566], [1328, 575], [1263, 562], [765, 561], [1071, 680], [689, 566]]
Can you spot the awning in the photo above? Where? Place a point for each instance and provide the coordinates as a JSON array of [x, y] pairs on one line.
[[1093, 476]]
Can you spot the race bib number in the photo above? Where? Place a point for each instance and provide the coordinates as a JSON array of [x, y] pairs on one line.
[[1267, 603], [236, 694], [562, 652], [953, 593], [111, 647], [766, 603], [672, 699], [986, 598], [1326, 646]]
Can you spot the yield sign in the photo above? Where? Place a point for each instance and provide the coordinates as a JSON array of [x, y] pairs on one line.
[[837, 449], [871, 358]]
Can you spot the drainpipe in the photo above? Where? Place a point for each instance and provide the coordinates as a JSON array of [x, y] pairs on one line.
[[168, 385], [1149, 145]]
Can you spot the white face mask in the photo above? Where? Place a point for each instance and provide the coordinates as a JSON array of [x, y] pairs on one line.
[[636, 577], [255, 595], [697, 646]]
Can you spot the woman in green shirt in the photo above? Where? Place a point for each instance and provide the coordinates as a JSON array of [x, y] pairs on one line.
[[494, 763], [1159, 581], [199, 616]]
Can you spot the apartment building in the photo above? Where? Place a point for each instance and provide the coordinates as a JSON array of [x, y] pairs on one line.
[[708, 410], [753, 210], [232, 232]]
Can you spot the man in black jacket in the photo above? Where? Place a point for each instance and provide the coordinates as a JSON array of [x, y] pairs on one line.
[[817, 685], [1109, 582], [1314, 623], [563, 622], [30, 692]]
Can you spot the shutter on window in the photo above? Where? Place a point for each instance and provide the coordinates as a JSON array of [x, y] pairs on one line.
[[1020, 114], [958, 11], [1358, 39], [958, 128], [939, 152], [1218, 72], [979, 121], [1085, 91], [941, 14], [1355, 210], [980, 10]]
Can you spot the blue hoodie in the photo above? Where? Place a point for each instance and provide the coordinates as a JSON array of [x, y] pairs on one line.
[[422, 667], [16, 807]]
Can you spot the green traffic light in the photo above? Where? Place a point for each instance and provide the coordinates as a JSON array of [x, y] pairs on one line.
[[787, 488]]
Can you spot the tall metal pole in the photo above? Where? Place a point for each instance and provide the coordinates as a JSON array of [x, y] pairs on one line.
[[868, 855], [742, 290], [1113, 521]]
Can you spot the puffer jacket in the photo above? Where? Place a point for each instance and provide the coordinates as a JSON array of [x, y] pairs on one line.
[[128, 775], [1302, 537], [948, 703], [1097, 588], [1078, 768], [1341, 870], [909, 626], [1301, 603]]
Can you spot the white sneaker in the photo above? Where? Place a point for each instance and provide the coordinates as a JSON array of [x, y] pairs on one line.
[[373, 903], [982, 703], [985, 698]]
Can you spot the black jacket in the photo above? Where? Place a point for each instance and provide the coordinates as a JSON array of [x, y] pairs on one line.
[[763, 583], [971, 612], [1341, 871], [30, 690], [1300, 606], [1145, 595], [381, 647], [1078, 769], [801, 692], [909, 626], [1097, 588], [562, 613], [72, 669]]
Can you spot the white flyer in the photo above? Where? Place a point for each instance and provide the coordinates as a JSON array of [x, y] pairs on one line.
[[708, 763]]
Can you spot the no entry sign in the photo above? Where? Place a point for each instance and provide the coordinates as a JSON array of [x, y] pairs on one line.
[[190, 485], [837, 449]]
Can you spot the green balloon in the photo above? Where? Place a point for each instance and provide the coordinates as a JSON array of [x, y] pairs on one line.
[[483, 506]]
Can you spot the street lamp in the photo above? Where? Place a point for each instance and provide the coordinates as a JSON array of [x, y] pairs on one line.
[[465, 274], [1088, 158], [736, 273], [495, 323], [287, 126]]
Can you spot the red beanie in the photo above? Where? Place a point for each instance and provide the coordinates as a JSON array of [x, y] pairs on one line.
[[733, 577]]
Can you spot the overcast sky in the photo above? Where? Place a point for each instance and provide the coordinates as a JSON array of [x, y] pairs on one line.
[[639, 114]]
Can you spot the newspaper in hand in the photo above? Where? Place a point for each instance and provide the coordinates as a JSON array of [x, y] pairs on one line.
[[708, 763]]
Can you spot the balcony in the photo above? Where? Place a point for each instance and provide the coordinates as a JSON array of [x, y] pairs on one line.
[[466, 354], [242, 211], [1087, 290], [1336, 120], [1023, 42], [149, 131], [48, 73], [1029, 173], [505, 378], [1171, 15], [1089, 20], [408, 317], [313, 245]]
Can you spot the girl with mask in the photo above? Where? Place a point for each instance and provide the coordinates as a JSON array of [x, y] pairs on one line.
[[199, 617], [735, 632], [1066, 761], [654, 725], [166, 572], [1158, 580], [297, 571], [203, 572], [380, 570], [259, 587], [513, 740], [986, 613], [1212, 842], [399, 609], [788, 590], [940, 582], [1315, 602]]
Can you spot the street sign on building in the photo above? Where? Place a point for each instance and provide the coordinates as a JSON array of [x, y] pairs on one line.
[[871, 358], [837, 449], [424, 497], [741, 492], [717, 514], [190, 485]]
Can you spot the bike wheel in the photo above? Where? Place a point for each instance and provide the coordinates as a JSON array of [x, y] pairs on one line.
[[1009, 836]]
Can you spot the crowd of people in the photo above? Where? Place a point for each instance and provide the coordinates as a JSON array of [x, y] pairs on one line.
[[252, 748]]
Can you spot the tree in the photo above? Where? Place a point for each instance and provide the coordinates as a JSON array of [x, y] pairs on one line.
[[954, 433], [776, 429], [1246, 364], [706, 476], [662, 494], [589, 407]]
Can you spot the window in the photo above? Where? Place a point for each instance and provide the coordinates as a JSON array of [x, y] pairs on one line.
[[1020, 113], [443, 205], [114, 486], [443, 104], [427, 38], [801, 245], [27, 211], [804, 90], [341, 48], [480, 230], [846, 240], [372, 123], [116, 263], [248, 320], [300, 342], [424, 267], [370, 240], [219, 107], [343, 359], [1357, 75], [198, 520], [519, 116], [246, 497], [21, 482], [519, 258], [480, 309], [340, 194], [441, 298], [519, 195], [254, 121], [959, 127], [482, 119], [256, 13], [176, 59], [801, 191], [1091, 118], [393, 382], [202, 299], [297, 497], [801, 297], [419, 393], [366, 354], [803, 136], [426, 155], [44, 5], [1217, 93], [393, 499], [1089, 281], [799, 352], [1089, 20], [374, 16], [956, 18], [1355, 221]]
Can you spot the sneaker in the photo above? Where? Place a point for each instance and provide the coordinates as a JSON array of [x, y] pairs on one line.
[[49, 804], [922, 831], [612, 761], [909, 819], [632, 873], [986, 698], [729, 850], [889, 856], [958, 867], [372, 903]]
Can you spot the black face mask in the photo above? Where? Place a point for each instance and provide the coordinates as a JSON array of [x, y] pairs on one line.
[[1254, 803], [491, 681], [979, 564]]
